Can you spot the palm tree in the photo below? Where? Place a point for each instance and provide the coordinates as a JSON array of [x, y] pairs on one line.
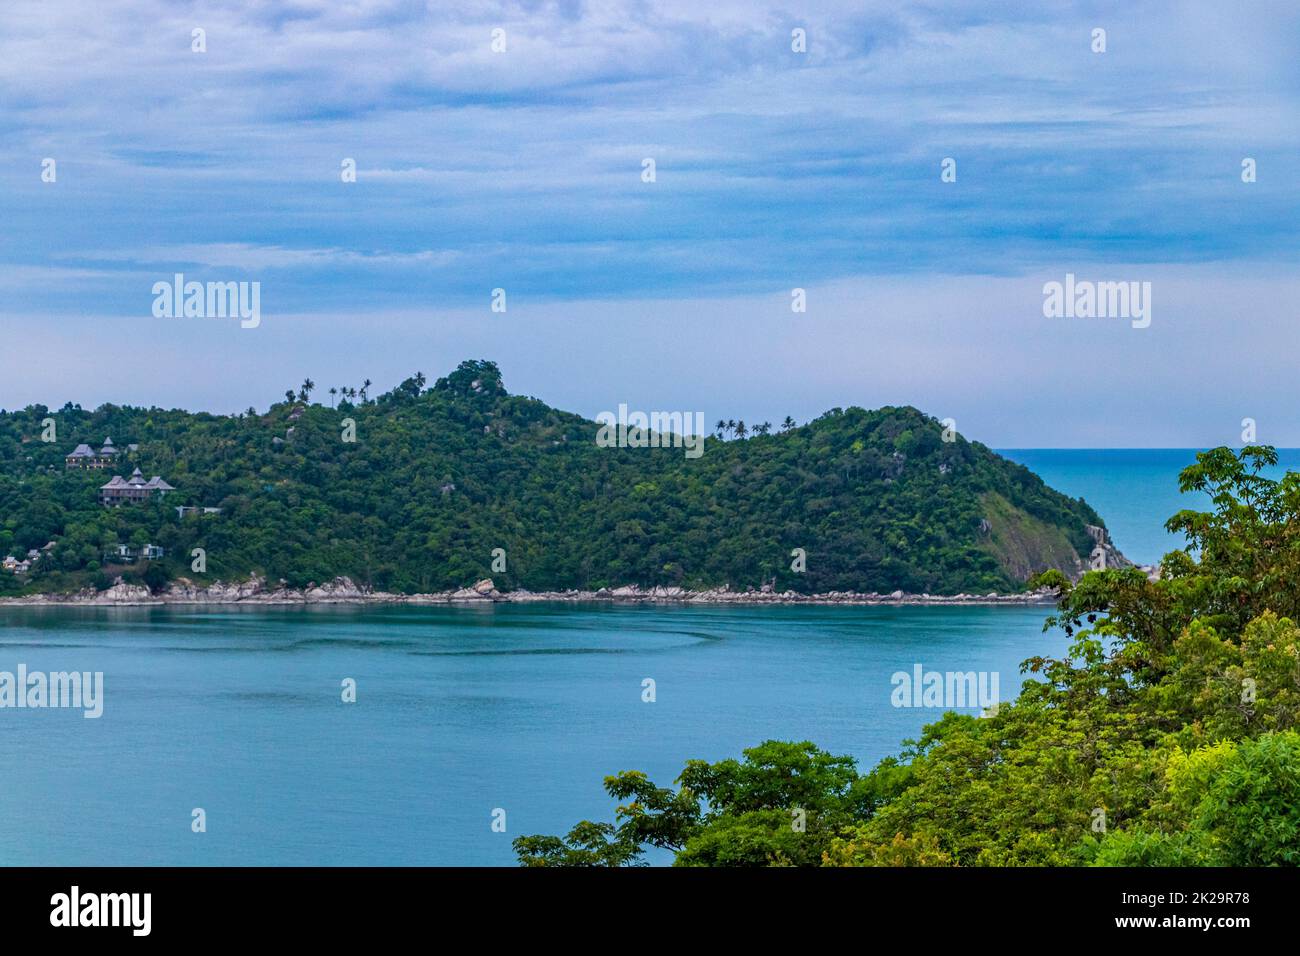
[[365, 385], [731, 424], [333, 391], [305, 392], [288, 395], [740, 428], [763, 429], [787, 424], [720, 427], [420, 380]]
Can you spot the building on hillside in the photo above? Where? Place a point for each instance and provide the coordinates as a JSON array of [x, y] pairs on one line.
[[132, 490], [184, 511], [125, 554], [83, 456]]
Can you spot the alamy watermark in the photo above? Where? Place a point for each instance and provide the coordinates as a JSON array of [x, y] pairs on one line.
[[129, 910], [1083, 299], [653, 430], [212, 300], [37, 689], [946, 689]]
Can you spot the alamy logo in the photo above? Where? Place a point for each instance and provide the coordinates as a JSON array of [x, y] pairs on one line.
[[1083, 299], [36, 689], [946, 689], [213, 300], [655, 430], [103, 909]]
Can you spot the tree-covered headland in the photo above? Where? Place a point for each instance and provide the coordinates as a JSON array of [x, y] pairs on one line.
[[413, 490]]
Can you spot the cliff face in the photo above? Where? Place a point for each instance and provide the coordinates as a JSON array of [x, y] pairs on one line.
[[1024, 545], [423, 490]]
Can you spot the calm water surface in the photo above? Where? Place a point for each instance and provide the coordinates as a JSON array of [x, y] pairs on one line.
[[459, 711]]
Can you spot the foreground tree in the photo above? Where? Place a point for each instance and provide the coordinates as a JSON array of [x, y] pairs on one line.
[[782, 804], [1166, 736]]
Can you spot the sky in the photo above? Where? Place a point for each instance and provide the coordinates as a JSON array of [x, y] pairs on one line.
[[523, 169]]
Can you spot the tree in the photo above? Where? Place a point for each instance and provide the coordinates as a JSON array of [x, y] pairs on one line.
[[586, 845], [781, 804], [787, 424]]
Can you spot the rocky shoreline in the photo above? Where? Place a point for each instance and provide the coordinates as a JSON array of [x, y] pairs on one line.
[[343, 590]]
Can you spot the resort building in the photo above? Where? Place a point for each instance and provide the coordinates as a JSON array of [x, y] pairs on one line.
[[83, 456], [184, 511], [125, 554], [132, 490], [15, 566]]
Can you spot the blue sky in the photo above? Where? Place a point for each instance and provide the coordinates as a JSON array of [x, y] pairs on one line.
[[522, 170]]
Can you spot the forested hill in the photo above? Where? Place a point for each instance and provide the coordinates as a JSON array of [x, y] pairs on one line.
[[439, 477]]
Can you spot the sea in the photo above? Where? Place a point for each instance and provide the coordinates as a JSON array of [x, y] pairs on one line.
[[358, 736]]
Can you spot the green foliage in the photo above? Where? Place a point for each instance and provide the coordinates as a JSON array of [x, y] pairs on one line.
[[781, 805], [438, 477], [587, 845], [1166, 737]]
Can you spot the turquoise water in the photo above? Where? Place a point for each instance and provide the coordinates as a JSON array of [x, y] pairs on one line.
[[461, 711], [458, 712]]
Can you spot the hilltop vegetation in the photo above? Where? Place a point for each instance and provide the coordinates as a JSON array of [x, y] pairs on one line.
[[438, 477], [1166, 737]]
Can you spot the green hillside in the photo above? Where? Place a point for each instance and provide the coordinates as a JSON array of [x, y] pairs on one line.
[[439, 477]]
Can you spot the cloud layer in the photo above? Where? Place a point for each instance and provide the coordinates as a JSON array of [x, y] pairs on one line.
[[522, 170]]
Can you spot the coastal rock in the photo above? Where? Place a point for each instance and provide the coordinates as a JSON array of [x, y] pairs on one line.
[[345, 590], [123, 593], [340, 589]]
